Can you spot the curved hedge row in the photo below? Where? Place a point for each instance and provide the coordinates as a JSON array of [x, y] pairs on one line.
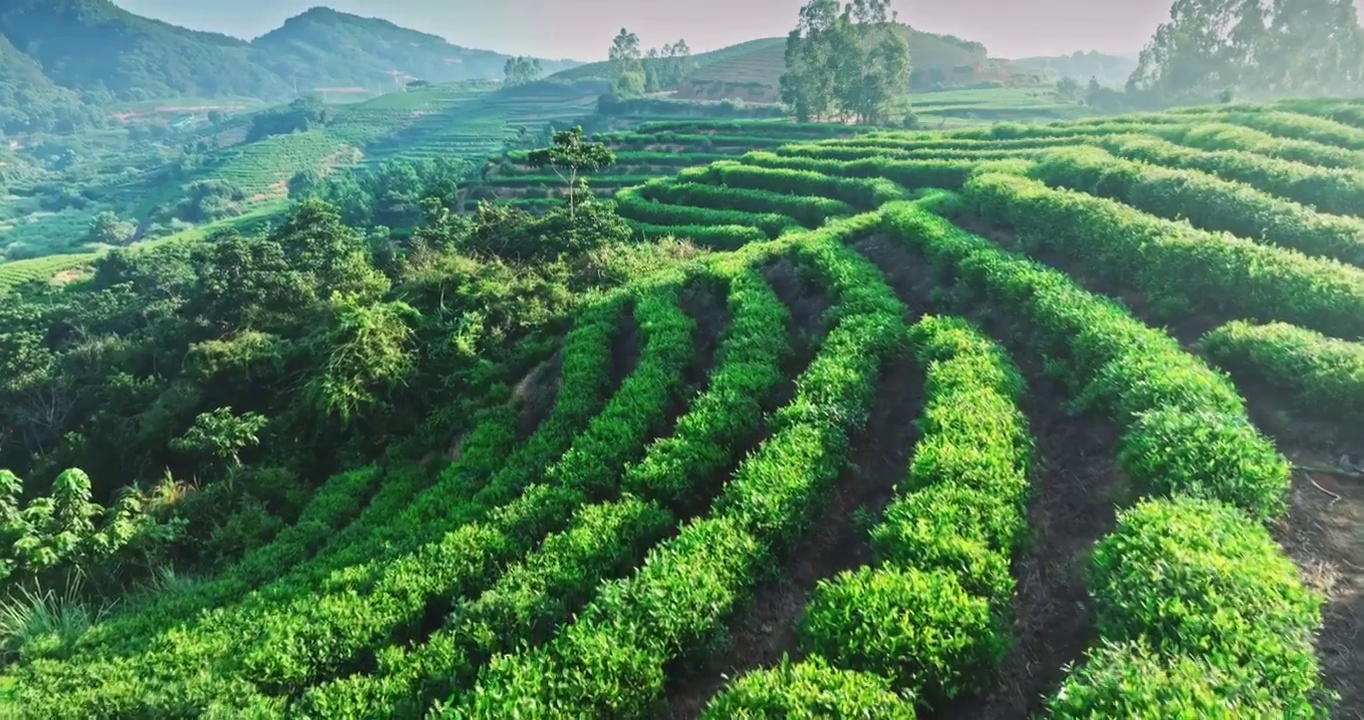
[[531, 599], [1178, 267], [857, 192], [1139, 376], [1323, 375], [1230, 594], [298, 638], [808, 210], [1182, 579], [1332, 190], [612, 659], [932, 617], [1206, 201], [633, 206], [719, 237], [903, 173], [839, 151], [1225, 136]]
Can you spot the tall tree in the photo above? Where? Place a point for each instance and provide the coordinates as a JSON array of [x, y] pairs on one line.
[[627, 61], [569, 157], [810, 83], [1212, 48], [846, 61], [521, 70]]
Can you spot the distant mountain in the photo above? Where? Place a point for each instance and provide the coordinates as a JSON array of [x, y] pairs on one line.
[[106, 53], [1110, 70], [326, 48]]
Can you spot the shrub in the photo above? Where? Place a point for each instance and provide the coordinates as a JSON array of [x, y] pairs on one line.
[[809, 690], [1193, 577], [919, 629], [1323, 375]]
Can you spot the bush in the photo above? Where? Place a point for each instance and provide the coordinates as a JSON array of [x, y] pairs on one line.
[[1324, 376], [919, 629], [1193, 577], [1128, 680], [809, 690]]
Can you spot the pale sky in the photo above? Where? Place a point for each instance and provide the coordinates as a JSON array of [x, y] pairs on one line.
[[582, 29]]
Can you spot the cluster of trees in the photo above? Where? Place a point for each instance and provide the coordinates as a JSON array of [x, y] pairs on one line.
[[204, 389], [847, 62], [392, 195], [638, 73], [301, 115], [521, 70], [1218, 49]]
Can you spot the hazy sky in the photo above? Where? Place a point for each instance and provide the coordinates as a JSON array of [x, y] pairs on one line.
[[582, 29]]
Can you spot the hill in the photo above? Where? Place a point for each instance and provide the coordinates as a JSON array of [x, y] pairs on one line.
[[325, 48], [1054, 420], [106, 53], [31, 102], [1109, 70], [95, 47], [753, 70]]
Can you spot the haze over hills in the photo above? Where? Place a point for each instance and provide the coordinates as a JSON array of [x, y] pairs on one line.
[[104, 52]]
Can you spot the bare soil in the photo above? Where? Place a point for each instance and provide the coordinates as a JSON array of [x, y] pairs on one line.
[[626, 347], [1323, 533]]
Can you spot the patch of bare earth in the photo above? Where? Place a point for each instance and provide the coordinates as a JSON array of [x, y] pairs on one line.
[[767, 628], [1075, 488]]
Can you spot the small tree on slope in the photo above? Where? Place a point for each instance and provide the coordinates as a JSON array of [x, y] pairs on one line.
[[569, 156]]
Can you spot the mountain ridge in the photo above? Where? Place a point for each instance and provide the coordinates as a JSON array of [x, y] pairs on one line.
[[104, 53]]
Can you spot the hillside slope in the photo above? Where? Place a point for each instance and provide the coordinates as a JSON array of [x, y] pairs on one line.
[[30, 101], [326, 48], [93, 45], [753, 70]]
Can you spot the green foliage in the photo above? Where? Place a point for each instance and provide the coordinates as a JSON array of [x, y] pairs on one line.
[[221, 435], [807, 690], [366, 352], [846, 62], [1198, 578], [1180, 268], [1207, 202], [918, 629], [1129, 680], [521, 70], [1324, 376], [570, 156]]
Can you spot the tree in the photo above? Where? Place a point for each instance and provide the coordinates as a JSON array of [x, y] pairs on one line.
[[521, 70], [625, 53], [570, 156], [1221, 48], [221, 435], [846, 60], [107, 229], [1067, 90]]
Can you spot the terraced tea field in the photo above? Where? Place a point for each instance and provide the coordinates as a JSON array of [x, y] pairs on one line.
[[1026, 420], [652, 149]]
